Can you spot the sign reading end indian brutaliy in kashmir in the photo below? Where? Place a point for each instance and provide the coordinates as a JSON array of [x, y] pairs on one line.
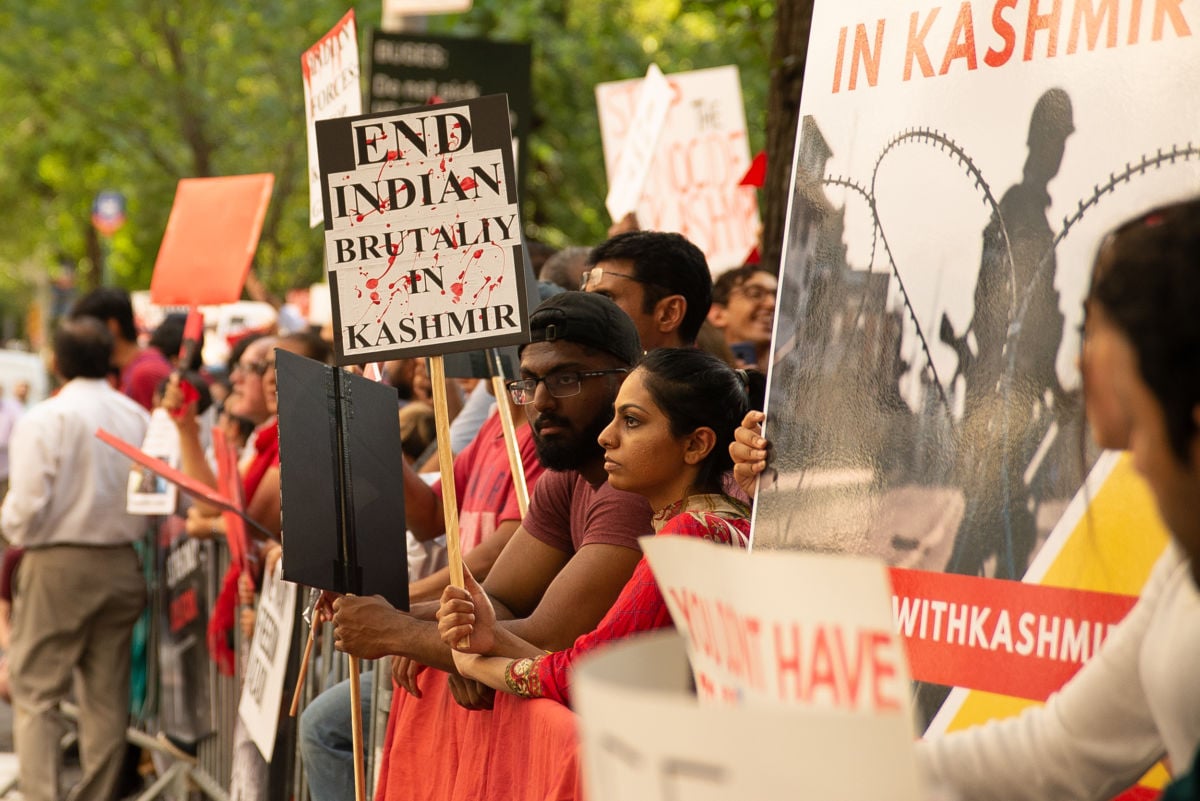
[[422, 231]]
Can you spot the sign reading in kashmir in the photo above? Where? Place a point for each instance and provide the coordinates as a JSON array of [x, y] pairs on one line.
[[422, 232]]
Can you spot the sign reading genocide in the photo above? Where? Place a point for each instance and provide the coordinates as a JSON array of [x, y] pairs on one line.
[[700, 157], [422, 232], [416, 70]]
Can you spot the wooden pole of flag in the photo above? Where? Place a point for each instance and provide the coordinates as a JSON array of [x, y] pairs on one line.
[[504, 409]]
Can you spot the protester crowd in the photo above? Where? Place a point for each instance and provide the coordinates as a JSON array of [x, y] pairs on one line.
[[625, 428]]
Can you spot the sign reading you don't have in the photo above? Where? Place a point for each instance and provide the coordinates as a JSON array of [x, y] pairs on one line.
[[423, 237]]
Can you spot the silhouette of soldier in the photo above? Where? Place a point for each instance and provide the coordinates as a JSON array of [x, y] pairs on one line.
[[1018, 330]]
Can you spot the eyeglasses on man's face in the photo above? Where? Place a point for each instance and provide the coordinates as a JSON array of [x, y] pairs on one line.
[[595, 275], [559, 385], [755, 293]]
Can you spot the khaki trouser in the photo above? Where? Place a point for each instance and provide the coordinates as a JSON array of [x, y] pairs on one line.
[[73, 613]]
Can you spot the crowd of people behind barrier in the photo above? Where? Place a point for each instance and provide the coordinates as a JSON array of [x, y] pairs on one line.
[[625, 429]]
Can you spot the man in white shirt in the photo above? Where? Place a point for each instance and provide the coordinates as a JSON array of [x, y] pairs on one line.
[[10, 410], [79, 587]]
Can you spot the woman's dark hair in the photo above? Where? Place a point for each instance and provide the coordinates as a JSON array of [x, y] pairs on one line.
[[1147, 280], [238, 348], [694, 388]]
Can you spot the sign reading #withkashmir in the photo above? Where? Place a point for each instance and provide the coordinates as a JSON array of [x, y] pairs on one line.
[[422, 232], [331, 89], [700, 156]]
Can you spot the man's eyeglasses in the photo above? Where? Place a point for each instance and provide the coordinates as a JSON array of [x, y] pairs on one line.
[[593, 277], [252, 368], [559, 385], [755, 293]]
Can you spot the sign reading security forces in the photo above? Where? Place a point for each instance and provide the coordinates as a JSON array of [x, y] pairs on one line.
[[423, 237]]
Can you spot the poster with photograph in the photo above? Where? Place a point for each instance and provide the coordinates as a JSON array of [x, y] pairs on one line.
[[955, 170], [149, 493], [422, 232]]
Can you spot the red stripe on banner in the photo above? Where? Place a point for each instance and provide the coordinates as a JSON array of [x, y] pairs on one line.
[[1007, 637], [1139, 792]]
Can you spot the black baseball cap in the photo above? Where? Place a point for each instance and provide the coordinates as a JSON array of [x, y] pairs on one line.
[[588, 319]]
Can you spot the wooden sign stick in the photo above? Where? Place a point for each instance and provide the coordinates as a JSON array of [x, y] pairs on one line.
[[312, 633], [441, 418], [504, 409], [360, 778]]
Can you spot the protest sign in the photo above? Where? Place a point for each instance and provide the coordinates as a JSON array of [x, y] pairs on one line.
[[407, 8], [784, 627], [702, 153], [340, 475], [267, 662], [331, 89], [423, 238], [417, 70], [954, 173], [212, 233], [638, 150], [183, 662], [679, 750], [148, 493], [191, 486]]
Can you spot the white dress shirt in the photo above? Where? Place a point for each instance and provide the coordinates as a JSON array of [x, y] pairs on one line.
[[66, 486]]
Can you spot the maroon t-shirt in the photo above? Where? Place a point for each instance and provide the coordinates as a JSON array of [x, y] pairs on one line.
[[143, 374], [566, 512]]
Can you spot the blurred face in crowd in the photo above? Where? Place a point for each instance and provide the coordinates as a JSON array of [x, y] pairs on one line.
[[1101, 360], [1124, 412], [750, 313], [248, 398], [615, 280]]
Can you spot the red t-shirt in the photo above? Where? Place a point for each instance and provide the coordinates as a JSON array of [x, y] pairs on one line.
[[483, 482], [143, 374]]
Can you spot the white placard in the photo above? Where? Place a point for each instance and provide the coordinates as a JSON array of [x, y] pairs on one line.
[[639, 146], [262, 690], [691, 183], [772, 628], [331, 89], [149, 493], [645, 736], [408, 8]]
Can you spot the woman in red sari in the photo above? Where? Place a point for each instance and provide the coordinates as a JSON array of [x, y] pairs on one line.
[[668, 441]]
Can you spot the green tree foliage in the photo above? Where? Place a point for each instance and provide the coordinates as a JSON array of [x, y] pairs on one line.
[[579, 43], [133, 95]]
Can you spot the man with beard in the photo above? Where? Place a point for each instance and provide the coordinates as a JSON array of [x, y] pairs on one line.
[[574, 550]]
